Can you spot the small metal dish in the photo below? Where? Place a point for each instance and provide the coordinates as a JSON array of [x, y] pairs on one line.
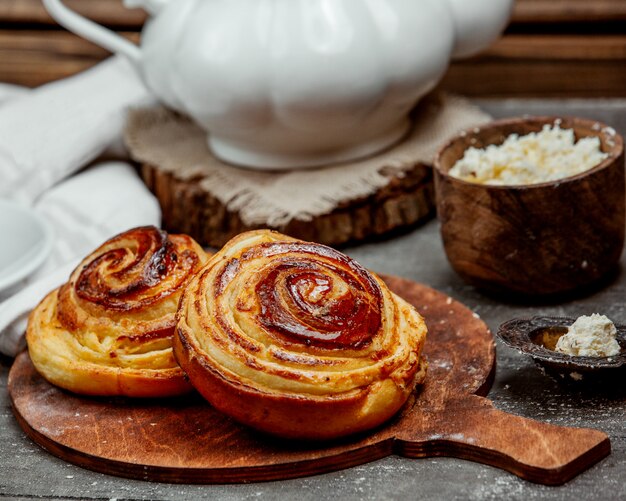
[[538, 336]]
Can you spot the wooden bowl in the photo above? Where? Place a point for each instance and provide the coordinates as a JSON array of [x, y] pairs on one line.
[[533, 239], [538, 336]]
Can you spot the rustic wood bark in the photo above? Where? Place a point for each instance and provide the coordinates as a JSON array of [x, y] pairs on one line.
[[538, 239], [185, 440], [187, 208]]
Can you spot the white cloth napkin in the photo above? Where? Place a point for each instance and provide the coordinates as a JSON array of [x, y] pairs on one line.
[[10, 92], [52, 131], [48, 134]]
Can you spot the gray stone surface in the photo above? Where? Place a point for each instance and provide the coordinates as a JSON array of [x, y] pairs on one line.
[[27, 472]]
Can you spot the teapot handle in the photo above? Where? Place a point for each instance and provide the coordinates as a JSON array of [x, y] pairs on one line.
[[92, 31]]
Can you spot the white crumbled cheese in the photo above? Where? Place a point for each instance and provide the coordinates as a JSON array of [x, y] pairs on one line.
[[590, 336], [538, 157]]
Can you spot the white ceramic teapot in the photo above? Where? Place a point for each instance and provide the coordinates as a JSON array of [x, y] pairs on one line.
[[298, 83]]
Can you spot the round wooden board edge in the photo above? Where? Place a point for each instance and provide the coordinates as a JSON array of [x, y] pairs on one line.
[[201, 476], [342, 459]]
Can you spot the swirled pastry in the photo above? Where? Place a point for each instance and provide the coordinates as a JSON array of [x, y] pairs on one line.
[[108, 331], [297, 339]]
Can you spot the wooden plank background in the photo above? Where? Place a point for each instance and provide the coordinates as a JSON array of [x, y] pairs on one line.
[[552, 48]]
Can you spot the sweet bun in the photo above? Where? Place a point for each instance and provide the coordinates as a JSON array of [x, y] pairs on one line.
[[108, 331], [296, 339]]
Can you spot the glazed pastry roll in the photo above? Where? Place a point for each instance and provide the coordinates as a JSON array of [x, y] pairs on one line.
[[296, 339], [108, 331]]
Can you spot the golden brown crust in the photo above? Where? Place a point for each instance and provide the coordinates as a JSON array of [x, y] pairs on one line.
[[296, 339], [108, 330]]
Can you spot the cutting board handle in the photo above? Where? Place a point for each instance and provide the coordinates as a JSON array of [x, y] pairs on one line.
[[471, 428]]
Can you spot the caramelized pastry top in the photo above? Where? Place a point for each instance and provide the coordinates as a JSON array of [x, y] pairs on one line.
[[307, 294], [108, 330], [295, 318], [136, 277], [136, 269]]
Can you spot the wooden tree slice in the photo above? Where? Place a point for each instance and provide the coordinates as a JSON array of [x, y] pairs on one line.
[[185, 440], [188, 208]]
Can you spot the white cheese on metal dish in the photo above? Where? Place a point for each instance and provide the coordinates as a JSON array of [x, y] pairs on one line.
[[590, 336], [539, 157]]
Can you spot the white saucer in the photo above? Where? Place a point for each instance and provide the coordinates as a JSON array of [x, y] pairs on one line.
[[25, 242]]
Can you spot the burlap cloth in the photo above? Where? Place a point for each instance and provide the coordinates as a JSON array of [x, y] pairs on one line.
[[171, 142]]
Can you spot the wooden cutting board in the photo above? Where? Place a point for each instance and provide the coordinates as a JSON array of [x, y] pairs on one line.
[[185, 440]]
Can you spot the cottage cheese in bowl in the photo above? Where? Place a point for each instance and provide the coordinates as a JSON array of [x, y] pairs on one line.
[[590, 336], [538, 157]]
